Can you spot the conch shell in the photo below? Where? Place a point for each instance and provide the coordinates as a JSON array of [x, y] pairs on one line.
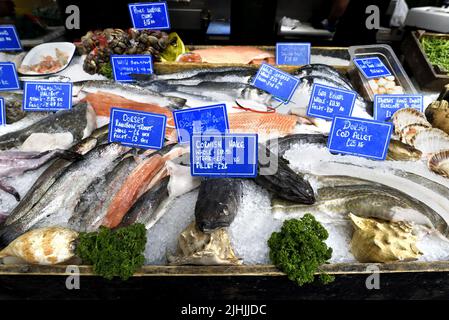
[[198, 248], [437, 113], [377, 240], [45, 246]]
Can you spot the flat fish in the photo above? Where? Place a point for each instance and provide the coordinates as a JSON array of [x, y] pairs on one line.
[[79, 122], [232, 54], [217, 204]]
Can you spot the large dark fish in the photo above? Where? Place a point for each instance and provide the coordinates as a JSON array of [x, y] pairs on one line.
[[79, 121], [49, 176], [217, 204], [281, 180]]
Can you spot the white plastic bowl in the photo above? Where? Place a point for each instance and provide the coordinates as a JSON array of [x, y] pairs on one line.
[[47, 49]]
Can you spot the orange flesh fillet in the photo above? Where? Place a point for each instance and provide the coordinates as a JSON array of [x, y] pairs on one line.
[[234, 54], [247, 122]]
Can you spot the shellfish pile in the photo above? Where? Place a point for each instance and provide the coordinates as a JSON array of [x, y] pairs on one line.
[[427, 132], [385, 85], [99, 45]]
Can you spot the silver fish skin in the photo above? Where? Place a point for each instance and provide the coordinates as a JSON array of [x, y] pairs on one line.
[[206, 74], [61, 198], [129, 91], [325, 71], [78, 121], [217, 204], [49, 176]]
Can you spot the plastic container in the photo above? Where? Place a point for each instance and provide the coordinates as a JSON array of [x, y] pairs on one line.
[[386, 54]]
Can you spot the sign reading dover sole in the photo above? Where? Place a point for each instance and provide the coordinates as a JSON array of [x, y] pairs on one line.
[[124, 66], [386, 105], [47, 96], [227, 155], [150, 15], [9, 41], [137, 129], [295, 54], [365, 138], [209, 119], [8, 77]]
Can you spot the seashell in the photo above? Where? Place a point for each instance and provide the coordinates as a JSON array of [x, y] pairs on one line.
[[398, 151], [376, 240], [431, 141], [437, 113], [407, 116], [198, 248], [44, 246], [439, 163], [408, 132]]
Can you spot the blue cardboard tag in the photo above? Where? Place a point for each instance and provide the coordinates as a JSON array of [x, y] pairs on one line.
[[47, 96], [125, 65], [137, 129], [294, 54], [9, 40], [359, 137], [2, 112], [150, 15], [327, 102], [372, 67], [229, 155], [8, 77], [386, 105], [279, 83], [209, 120]]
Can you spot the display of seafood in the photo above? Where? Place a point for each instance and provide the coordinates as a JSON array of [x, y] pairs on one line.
[[62, 180], [47, 64], [385, 85]]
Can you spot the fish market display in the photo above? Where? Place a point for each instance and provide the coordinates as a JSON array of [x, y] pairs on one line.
[[57, 131], [47, 64], [228, 54], [199, 248], [380, 241], [45, 246]]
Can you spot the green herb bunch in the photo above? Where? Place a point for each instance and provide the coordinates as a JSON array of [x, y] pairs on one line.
[[437, 50], [299, 249], [114, 253]]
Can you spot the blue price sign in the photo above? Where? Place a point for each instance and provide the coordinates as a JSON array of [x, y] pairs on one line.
[[229, 155], [386, 105], [151, 15], [295, 54], [9, 40], [124, 66], [47, 96], [279, 83], [209, 120], [8, 77], [372, 67], [137, 129], [2, 112], [328, 102], [364, 138]]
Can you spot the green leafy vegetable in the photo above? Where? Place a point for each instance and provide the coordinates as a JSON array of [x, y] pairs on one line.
[[106, 70], [437, 50], [114, 253], [299, 249]]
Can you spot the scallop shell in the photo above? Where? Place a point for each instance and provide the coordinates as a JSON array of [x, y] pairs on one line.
[[376, 240], [408, 116], [431, 141], [437, 113], [198, 248], [408, 132], [439, 163], [44, 246]]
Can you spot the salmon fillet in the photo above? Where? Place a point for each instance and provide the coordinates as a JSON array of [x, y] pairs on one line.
[[262, 123], [234, 54]]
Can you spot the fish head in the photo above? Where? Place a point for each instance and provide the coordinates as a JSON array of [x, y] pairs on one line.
[[256, 99]]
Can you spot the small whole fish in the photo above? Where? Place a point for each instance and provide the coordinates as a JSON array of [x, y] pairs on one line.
[[217, 204], [44, 246], [78, 122]]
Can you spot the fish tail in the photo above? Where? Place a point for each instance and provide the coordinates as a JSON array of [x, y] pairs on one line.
[[69, 155]]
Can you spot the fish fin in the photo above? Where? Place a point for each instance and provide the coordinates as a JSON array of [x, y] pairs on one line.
[[8, 234], [9, 189], [69, 155]]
